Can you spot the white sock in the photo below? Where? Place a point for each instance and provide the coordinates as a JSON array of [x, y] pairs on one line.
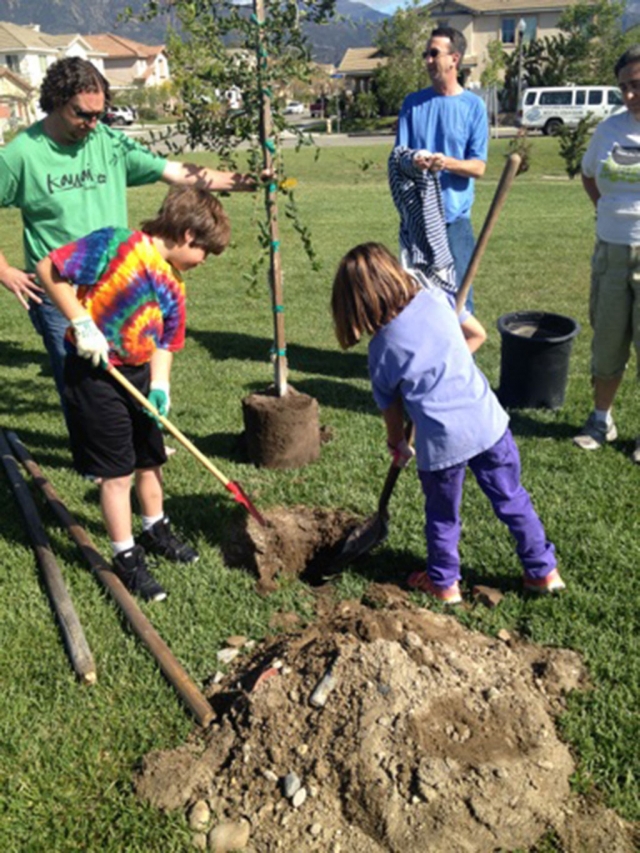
[[603, 415], [125, 545], [149, 520]]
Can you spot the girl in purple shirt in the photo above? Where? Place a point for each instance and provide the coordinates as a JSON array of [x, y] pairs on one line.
[[420, 362]]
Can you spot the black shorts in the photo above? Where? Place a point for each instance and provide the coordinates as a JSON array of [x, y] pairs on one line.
[[111, 435]]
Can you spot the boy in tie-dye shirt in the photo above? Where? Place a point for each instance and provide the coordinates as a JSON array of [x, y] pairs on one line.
[[123, 294]]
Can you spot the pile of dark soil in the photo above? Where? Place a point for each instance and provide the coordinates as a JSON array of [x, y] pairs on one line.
[[431, 737]]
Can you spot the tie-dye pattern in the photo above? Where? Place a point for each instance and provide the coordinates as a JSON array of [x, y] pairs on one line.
[[134, 296]]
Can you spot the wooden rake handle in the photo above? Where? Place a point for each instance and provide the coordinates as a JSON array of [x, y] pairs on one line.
[[504, 185], [234, 488]]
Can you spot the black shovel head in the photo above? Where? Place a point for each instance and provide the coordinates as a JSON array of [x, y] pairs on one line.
[[364, 537]]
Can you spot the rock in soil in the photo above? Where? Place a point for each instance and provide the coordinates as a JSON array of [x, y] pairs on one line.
[[433, 738]]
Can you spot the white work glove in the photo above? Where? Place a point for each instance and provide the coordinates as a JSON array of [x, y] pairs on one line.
[[401, 453], [159, 397], [90, 342]]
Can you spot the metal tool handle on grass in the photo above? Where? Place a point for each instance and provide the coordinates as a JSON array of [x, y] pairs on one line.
[[504, 185], [235, 488], [393, 473]]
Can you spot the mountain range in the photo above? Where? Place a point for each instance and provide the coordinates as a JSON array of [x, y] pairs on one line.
[[355, 25]]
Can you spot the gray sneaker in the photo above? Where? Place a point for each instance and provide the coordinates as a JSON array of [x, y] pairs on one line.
[[595, 433]]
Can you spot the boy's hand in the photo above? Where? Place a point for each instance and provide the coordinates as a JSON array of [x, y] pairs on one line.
[[160, 398], [401, 453], [90, 342]]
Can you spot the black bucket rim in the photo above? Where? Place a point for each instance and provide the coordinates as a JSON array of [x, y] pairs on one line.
[[533, 316]]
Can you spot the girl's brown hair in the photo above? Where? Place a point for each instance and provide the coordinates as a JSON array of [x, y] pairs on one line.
[[369, 290], [195, 210]]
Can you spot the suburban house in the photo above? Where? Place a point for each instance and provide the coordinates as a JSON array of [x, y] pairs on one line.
[[357, 67], [128, 63], [483, 21], [27, 52], [15, 99], [480, 21]]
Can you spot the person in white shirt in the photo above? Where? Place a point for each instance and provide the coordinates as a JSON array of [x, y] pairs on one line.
[[611, 179]]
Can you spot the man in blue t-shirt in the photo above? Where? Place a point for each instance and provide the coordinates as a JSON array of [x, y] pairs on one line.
[[447, 126]]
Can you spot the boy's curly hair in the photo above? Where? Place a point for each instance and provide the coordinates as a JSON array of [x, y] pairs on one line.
[[68, 77]]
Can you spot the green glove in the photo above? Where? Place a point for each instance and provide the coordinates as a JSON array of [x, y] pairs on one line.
[[160, 398]]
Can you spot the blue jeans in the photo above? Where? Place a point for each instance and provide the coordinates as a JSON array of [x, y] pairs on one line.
[[461, 245], [497, 471], [51, 325]]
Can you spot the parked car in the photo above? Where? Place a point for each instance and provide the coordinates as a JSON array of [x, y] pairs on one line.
[[547, 108], [118, 116], [294, 108], [318, 109]]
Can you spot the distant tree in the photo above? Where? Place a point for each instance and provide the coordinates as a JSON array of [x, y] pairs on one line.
[[402, 40], [594, 40]]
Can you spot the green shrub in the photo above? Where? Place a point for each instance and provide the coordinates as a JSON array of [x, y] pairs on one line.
[[574, 142]]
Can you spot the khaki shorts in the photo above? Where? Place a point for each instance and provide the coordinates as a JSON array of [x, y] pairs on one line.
[[614, 308]]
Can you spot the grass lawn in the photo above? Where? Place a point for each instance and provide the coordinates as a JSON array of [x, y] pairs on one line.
[[68, 752]]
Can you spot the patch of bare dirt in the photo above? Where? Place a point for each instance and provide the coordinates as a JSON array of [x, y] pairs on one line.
[[299, 542], [431, 738]]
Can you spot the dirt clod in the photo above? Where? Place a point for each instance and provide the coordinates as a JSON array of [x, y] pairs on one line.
[[433, 738], [299, 542]]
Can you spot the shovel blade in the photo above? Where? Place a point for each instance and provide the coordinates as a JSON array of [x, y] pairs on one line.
[[364, 537]]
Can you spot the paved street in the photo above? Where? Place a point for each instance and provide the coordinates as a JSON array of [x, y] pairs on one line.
[[322, 140]]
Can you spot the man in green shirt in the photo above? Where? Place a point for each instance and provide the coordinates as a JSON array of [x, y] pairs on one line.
[[68, 174]]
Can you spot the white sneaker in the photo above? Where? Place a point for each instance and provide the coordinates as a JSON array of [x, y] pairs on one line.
[[636, 452], [595, 433]]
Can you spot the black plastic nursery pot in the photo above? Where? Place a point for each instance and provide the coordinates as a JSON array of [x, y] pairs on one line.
[[534, 360]]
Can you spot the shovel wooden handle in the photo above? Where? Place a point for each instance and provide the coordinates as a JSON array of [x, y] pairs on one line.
[[166, 423], [234, 488], [504, 185]]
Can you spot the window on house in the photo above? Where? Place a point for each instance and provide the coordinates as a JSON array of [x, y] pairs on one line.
[[43, 64], [509, 29], [13, 62]]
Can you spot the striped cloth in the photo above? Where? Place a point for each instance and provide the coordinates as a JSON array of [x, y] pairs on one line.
[[423, 232]]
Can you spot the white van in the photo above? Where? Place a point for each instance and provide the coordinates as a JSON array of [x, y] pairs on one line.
[[547, 108]]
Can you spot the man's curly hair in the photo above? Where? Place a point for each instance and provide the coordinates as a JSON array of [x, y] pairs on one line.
[[68, 77]]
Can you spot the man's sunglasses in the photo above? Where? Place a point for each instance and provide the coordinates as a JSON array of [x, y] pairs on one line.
[[85, 115], [432, 54]]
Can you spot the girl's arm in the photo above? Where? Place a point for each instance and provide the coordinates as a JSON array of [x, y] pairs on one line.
[[401, 452], [474, 333], [394, 421]]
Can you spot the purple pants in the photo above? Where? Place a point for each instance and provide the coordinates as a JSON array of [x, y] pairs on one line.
[[497, 471]]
